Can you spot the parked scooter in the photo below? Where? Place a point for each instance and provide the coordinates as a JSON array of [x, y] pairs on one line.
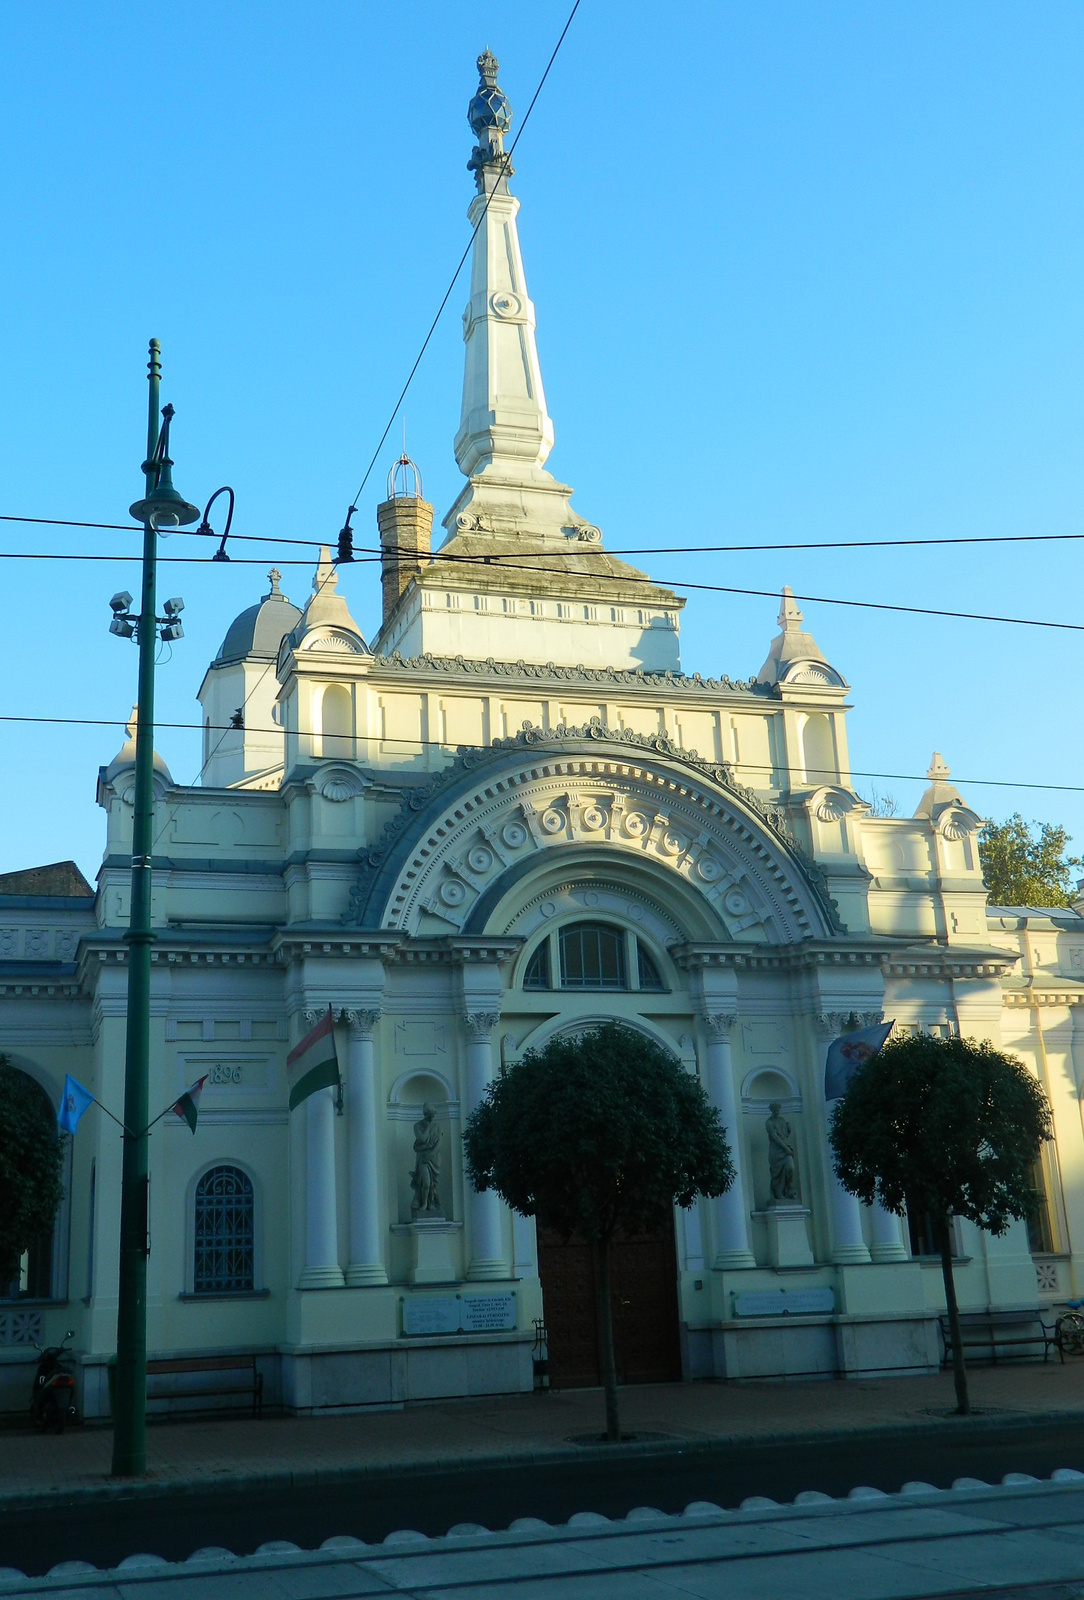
[[52, 1404]]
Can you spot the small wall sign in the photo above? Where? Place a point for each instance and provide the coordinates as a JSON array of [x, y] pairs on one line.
[[784, 1302], [470, 1313]]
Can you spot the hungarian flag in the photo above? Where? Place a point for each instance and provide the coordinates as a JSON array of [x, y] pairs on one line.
[[187, 1107], [313, 1064], [849, 1052]]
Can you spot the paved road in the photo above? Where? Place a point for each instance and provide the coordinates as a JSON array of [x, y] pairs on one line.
[[375, 1504], [875, 1547]]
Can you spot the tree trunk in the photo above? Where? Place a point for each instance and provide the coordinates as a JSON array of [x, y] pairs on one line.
[[606, 1339], [959, 1371]]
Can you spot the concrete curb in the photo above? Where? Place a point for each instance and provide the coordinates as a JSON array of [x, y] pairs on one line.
[[307, 1478]]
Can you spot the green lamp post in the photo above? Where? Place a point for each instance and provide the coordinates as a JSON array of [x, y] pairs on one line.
[[162, 507]]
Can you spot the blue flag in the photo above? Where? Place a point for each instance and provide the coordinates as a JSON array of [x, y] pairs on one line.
[[847, 1053], [74, 1102]]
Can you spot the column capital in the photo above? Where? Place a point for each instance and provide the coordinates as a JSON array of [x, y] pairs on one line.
[[719, 1023], [832, 1023], [361, 1023], [480, 1024]]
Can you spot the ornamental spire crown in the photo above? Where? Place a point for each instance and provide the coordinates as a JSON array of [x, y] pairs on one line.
[[490, 117]]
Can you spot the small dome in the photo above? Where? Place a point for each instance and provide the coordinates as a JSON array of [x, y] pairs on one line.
[[261, 629]]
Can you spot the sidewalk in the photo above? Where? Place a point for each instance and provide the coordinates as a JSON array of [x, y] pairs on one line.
[[524, 1427]]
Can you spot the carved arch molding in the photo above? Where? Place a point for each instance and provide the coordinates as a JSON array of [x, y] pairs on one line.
[[453, 857]]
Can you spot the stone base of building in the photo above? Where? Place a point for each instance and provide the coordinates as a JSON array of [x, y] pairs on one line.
[[325, 1380], [815, 1347]]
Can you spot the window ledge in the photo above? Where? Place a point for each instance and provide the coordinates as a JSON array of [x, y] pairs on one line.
[[29, 1304], [225, 1294]]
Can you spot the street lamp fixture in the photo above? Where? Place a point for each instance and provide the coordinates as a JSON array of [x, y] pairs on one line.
[[162, 507]]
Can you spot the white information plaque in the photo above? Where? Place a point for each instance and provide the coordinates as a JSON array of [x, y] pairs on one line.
[[490, 1313], [431, 1313], [475, 1313], [784, 1302]]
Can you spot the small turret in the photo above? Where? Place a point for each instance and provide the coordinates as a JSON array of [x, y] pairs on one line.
[[405, 521], [795, 657]]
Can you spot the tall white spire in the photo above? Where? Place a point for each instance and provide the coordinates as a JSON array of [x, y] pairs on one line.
[[505, 432], [504, 422]]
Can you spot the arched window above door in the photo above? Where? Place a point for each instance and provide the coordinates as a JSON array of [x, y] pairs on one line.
[[592, 955]]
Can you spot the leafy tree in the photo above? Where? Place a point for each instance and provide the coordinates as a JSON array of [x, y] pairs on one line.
[[30, 1152], [946, 1126], [1022, 870], [596, 1135]]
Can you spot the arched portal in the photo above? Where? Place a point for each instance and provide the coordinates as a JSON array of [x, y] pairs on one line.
[[38, 1271]]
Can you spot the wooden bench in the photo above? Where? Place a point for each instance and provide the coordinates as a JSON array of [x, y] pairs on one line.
[[251, 1389], [1001, 1333]]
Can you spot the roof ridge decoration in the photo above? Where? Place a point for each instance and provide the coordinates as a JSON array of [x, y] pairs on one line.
[[470, 758], [491, 668]]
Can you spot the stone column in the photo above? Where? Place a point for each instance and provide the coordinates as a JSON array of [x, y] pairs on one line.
[[484, 1252], [362, 1123], [730, 1212], [322, 1269], [887, 1231], [848, 1243]]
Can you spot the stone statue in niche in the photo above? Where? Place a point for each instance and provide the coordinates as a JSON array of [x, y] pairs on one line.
[[781, 1166], [425, 1179]]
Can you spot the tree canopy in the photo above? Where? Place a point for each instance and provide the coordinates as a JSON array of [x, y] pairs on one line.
[[597, 1132], [30, 1155], [949, 1125], [1025, 869]]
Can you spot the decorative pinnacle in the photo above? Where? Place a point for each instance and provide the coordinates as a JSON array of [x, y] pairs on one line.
[[275, 578], [490, 117], [938, 771]]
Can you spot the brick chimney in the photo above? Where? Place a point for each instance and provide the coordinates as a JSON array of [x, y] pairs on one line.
[[405, 521]]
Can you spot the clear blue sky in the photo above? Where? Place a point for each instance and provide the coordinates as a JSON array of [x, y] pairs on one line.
[[803, 270]]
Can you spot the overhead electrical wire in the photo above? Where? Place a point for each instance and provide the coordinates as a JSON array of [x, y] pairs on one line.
[[444, 744], [372, 551], [680, 583]]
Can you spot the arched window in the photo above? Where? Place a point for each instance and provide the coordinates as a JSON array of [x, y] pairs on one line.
[[225, 1254], [35, 1268], [593, 957], [537, 975], [336, 722]]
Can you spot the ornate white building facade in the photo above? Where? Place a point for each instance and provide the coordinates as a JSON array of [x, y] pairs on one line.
[[511, 815]]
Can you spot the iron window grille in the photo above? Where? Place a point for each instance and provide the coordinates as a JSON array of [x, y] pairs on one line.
[[225, 1257]]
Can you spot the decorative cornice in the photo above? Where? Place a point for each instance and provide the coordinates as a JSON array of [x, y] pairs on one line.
[[1015, 999], [672, 682], [943, 962], [692, 957], [291, 945]]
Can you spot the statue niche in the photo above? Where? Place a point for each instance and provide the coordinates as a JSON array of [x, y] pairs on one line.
[[782, 1171], [425, 1178], [423, 1160]]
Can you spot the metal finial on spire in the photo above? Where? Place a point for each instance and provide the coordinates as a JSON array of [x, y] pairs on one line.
[[490, 117]]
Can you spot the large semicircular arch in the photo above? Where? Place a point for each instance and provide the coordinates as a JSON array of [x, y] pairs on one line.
[[640, 798]]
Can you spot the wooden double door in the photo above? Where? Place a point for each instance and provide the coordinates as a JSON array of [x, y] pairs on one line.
[[645, 1309]]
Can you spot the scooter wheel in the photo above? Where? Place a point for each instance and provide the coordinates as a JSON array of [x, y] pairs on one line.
[[49, 1415]]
